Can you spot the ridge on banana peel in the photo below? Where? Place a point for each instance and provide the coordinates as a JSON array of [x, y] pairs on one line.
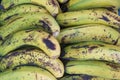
[[91, 32], [74, 5], [28, 21], [26, 73], [51, 5], [91, 16], [92, 51], [36, 38], [32, 57], [24, 8], [82, 77], [94, 68]]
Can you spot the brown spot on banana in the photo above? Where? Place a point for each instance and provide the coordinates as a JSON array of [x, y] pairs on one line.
[[105, 18]]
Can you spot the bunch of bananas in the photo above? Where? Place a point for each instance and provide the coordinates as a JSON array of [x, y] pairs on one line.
[[90, 39], [29, 49]]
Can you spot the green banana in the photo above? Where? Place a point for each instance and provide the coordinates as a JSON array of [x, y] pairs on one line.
[[94, 68], [91, 16], [26, 73], [82, 77], [36, 38], [92, 51], [32, 57], [73, 5], [28, 21], [25, 8], [62, 1], [91, 32], [51, 5]]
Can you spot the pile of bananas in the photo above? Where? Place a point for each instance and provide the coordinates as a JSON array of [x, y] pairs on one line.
[[29, 49], [59, 40], [90, 39]]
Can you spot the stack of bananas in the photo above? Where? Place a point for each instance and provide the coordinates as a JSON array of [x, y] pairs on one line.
[[90, 39], [29, 49]]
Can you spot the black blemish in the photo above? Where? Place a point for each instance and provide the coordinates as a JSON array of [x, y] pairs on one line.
[[105, 18], [114, 66], [65, 22], [86, 77], [49, 44], [7, 18], [53, 2], [28, 39], [91, 48], [9, 64], [2, 7], [45, 25]]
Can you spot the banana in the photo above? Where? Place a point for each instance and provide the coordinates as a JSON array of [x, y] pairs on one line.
[[28, 21], [91, 16], [62, 1], [91, 32], [94, 68], [32, 57], [36, 38], [87, 4], [26, 73], [82, 77], [25, 8], [51, 5], [92, 51]]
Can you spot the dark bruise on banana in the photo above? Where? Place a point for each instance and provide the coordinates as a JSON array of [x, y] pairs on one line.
[[32, 57], [36, 38]]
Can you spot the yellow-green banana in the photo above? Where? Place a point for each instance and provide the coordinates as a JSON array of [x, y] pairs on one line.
[[62, 1], [26, 73], [91, 16], [91, 32], [92, 51], [32, 57], [51, 5], [28, 21], [36, 38], [88, 4], [25, 8], [94, 68], [82, 77]]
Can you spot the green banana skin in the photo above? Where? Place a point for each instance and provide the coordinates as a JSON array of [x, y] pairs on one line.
[[63, 1], [94, 68], [92, 51], [24, 8], [32, 57], [51, 5], [91, 32], [91, 16], [28, 21], [26, 73], [82, 77], [36, 38], [87, 4]]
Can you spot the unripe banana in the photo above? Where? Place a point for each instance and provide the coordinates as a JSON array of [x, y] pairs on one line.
[[91, 16], [92, 51], [26, 73], [51, 5], [25, 8], [32, 57], [28, 21], [36, 38], [74, 5], [94, 68], [91, 32], [82, 77]]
